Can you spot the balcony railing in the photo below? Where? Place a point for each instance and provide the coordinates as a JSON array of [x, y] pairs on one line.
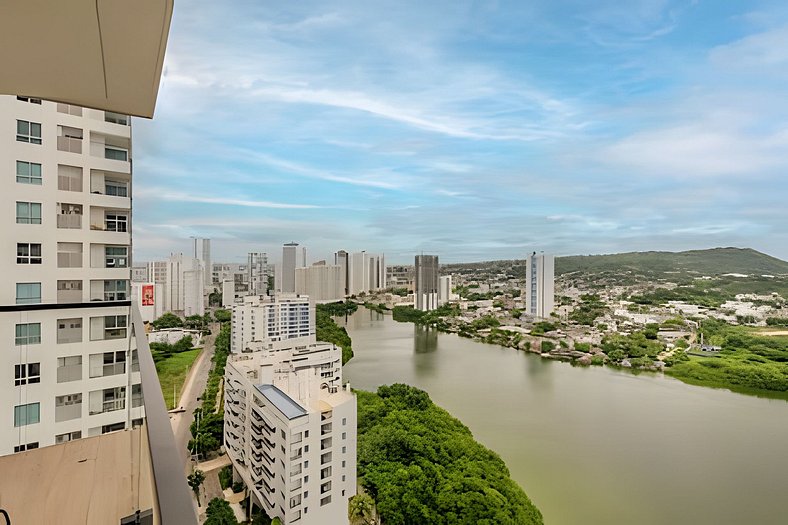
[[68, 259], [69, 221], [70, 144], [110, 406]]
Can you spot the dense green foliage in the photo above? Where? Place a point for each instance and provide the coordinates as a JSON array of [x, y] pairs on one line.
[[588, 310], [195, 480], [376, 307], [207, 437], [747, 361], [541, 327], [716, 261], [777, 321], [226, 477], [172, 372], [215, 298], [197, 322], [423, 466], [168, 320], [223, 316], [219, 512], [408, 314], [638, 345], [162, 351], [329, 331]]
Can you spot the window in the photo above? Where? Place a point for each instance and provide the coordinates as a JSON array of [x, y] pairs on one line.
[[116, 290], [115, 326], [28, 293], [69, 139], [28, 212], [69, 291], [68, 436], [107, 364], [68, 407], [115, 153], [116, 256], [27, 374], [28, 172], [28, 132], [69, 368], [116, 188], [28, 253], [69, 109], [69, 330], [28, 414], [116, 222], [325, 501], [31, 100], [28, 446], [136, 395], [116, 118], [28, 334]]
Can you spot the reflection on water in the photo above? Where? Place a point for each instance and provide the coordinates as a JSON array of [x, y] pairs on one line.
[[593, 445]]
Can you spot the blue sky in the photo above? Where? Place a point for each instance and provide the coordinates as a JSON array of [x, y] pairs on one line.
[[473, 130]]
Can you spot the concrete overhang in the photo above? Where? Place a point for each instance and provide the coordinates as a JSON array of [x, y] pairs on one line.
[[102, 54]]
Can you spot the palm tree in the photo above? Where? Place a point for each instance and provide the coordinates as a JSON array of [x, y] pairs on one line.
[[195, 479], [361, 510]]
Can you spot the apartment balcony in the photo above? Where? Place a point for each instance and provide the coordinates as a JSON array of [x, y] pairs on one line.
[[69, 144], [116, 118], [69, 221], [107, 370], [69, 259], [69, 296], [66, 374], [68, 412], [108, 406]]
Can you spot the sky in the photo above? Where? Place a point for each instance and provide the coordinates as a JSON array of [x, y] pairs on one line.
[[474, 130]]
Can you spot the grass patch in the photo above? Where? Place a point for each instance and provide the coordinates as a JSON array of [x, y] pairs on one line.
[[172, 372]]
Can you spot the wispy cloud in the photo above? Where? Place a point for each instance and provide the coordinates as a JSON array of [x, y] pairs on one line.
[[168, 195]]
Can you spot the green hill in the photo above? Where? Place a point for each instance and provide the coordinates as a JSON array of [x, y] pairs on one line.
[[716, 261]]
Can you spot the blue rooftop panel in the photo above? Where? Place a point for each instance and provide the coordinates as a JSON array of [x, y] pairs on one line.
[[281, 401]]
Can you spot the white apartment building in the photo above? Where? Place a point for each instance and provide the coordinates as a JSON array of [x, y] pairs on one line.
[[261, 318], [69, 369], [202, 252], [184, 286], [444, 289], [366, 273], [320, 282], [257, 276], [540, 284], [290, 431]]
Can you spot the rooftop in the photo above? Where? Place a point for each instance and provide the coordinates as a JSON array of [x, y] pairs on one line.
[[284, 403]]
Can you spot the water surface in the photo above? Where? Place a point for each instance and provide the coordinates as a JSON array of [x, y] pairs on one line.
[[594, 445]]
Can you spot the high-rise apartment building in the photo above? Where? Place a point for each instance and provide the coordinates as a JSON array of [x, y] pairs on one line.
[[202, 252], [426, 275], [444, 289], [341, 259], [366, 273], [184, 286], [69, 369], [540, 284], [320, 282], [257, 273], [290, 428], [286, 316], [290, 261]]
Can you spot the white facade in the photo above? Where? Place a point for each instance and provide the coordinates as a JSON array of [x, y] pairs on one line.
[[341, 259], [288, 316], [290, 431], [184, 286], [202, 252], [366, 272], [540, 284], [426, 282], [149, 298], [257, 276], [69, 366], [320, 282], [444, 289]]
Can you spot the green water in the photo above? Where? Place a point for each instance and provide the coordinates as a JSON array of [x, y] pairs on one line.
[[594, 445]]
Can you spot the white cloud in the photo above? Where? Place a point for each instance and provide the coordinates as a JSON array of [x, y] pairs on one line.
[[170, 195]]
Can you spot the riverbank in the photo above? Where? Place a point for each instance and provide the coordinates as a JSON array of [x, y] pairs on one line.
[[421, 465], [749, 363]]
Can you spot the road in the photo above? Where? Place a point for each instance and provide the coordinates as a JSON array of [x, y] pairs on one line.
[[192, 390]]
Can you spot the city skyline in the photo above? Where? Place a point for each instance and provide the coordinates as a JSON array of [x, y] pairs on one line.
[[568, 128]]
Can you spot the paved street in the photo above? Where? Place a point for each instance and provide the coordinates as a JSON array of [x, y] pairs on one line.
[[192, 389]]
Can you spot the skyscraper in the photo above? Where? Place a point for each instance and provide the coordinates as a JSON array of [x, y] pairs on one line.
[[341, 260], [290, 261], [426, 282], [539, 284], [202, 252], [257, 268]]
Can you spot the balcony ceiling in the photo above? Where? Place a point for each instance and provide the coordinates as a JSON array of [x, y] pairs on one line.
[[102, 54]]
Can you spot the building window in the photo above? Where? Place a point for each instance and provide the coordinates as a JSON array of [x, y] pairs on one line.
[[108, 400], [28, 212], [28, 253], [116, 256], [28, 334], [115, 326], [116, 222], [68, 436], [69, 330], [116, 188], [27, 374], [28, 132], [28, 414], [31, 100], [69, 178], [107, 364], [28, 446], [115, 153], [28, 172], [28, 293], [69, 255], [325, 501], [68, 407], [116, 290]]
